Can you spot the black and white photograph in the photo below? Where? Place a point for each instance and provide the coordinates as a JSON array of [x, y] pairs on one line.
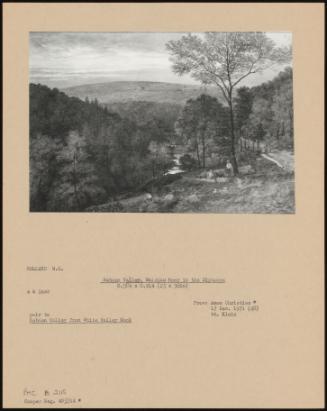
[[152, 122], [164, 209]]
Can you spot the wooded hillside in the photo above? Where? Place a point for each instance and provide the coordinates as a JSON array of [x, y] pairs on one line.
[[81, 154]]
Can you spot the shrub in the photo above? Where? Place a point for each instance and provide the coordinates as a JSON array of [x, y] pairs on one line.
[[187, 162]]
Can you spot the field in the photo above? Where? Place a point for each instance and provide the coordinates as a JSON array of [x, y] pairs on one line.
[[127, 91]]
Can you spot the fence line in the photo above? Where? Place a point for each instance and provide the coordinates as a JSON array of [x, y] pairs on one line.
[[256, 146]]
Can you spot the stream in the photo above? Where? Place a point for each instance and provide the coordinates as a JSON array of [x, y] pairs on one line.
[[177, 166]]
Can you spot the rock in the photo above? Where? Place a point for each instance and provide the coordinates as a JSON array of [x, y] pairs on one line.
[[165, 205], [193, 198], [169, 197], [148, 196]]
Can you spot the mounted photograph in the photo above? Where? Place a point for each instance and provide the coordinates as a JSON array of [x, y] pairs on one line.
[[132, 122]]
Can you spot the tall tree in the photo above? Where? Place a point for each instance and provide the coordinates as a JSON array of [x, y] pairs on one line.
[[225, 59], [202, 120], [243, 105], [282, 109], [262, 115], [77, 185]]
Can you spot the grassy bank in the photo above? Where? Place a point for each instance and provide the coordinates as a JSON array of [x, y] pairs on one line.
[[269, 189]]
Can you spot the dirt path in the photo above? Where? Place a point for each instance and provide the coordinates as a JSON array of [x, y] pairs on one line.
[[271, 159], [284, 159]]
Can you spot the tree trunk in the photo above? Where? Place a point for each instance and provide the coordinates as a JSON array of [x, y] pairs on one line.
[[197, 153], [153, 169], [232, 131], [203, 151], [75, 182], [291, 124], [278, 130], [74, 175]]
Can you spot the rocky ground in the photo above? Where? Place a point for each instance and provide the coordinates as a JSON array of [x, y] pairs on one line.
[[262, 188]]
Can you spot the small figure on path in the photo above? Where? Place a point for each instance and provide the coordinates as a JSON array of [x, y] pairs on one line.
[[229, 168]]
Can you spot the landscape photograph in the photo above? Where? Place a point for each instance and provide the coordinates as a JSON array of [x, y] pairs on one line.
[[131, 122]]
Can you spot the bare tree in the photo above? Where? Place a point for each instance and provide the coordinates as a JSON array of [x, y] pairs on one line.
[[225, 59]]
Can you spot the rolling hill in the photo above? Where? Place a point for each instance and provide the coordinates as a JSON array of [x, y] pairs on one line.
[[127, 91]]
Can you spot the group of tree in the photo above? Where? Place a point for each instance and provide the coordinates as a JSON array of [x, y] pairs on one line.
[[260, 113], [202, 128], [266, 111], [224, 59], [143, 112], [81, 154]]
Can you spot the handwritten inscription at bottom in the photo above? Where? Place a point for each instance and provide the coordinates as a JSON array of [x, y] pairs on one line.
[[47, 318], [228, 308], [46, 397]]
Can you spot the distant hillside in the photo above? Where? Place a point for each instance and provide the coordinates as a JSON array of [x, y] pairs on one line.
[[142, 112], [126, 91]]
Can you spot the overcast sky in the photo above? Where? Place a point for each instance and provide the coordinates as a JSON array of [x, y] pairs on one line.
[[59, 59]]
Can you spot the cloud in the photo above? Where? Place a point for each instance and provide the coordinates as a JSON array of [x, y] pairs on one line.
[[74, 57]]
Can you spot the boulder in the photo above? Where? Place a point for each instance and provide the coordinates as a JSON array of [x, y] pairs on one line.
[[193, 198], [148, 196]]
